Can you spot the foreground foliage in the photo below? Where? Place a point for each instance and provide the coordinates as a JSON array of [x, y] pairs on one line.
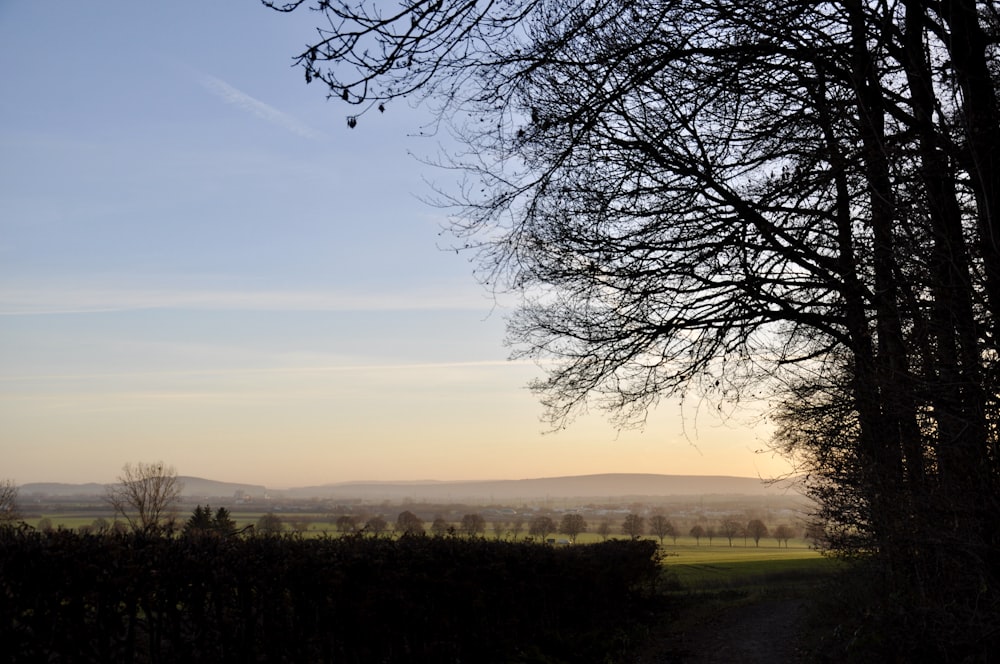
[[787, 202], [142, 598]]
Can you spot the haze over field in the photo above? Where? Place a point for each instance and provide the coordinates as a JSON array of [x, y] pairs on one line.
[[600, 486], [200, 263]]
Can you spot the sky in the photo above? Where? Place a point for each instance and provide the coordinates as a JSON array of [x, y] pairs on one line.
[[200, 263]]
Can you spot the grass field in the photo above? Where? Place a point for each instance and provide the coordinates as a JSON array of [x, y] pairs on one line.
[[696, 567], [717, 567]]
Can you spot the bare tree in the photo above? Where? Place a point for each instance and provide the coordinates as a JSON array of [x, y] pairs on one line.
[[499, 528], [516, 526], [473, 525], [541, 526], [783, 533], [9, 511], [756, 529], [661, 526], [298, 524], [697, 532], [376, 525], [145, 495], [347, 524], [408, 523], [792, 199], [440, 527], [604, 529], [634, 526], [572, 525], [270, 524], [730, 527]]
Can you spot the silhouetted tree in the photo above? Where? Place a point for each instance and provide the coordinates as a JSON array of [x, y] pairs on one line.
[[604, 529], [223, 523], [440, 527], [9, 512], [783, 533], [756, 529], [729, 528], [572, 525], [347, 524], [145, 495], [200, 521], [297, 523], [270, 524], [634, 526], [376, 525], [541, 526], [697, 532], [516, 526], [473, 525], [408, 523], [661, 526], [799, 200]]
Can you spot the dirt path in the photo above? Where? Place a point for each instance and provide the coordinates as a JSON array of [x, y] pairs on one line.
[[764, 632], [754, 634]]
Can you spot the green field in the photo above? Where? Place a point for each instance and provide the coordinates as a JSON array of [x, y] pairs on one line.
[[694, 566], [763, 570]]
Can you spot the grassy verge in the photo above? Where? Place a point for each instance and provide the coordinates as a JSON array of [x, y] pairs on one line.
[[770, 571]]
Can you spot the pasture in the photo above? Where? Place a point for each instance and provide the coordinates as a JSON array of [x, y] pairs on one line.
[[694, 566], [717, 567]]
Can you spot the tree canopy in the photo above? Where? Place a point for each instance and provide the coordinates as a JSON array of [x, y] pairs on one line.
[[794, 202], [145, 495], [9, 511]]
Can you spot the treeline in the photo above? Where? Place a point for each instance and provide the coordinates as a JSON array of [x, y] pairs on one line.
[[142, 597], [541, 526]]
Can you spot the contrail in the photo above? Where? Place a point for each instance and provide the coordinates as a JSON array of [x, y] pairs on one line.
[[242, 100]]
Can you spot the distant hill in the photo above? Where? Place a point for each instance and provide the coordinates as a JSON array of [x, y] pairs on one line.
[[609, 485], [58, 489], [194, 487]]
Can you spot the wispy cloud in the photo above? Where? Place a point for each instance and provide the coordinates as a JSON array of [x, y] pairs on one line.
[[39, 299], [312, 370], [243, 101]]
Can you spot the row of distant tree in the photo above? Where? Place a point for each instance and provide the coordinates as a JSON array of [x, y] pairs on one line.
[[571, 525], [146, 494]]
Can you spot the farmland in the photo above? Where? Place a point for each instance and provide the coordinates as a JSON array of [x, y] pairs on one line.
[[699, 578], [696, 564]]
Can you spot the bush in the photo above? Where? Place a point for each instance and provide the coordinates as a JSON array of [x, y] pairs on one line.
[[142, 598]]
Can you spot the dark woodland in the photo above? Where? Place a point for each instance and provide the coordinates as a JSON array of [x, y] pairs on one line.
[[788, 203]]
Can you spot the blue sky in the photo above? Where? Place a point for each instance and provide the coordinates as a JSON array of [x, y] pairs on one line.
[[200, 263]]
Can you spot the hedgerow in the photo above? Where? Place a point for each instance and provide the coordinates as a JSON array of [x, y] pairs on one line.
[[68, 597]]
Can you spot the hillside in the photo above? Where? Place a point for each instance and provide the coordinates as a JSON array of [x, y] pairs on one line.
[[609, 486], [604, 486], [193, 487]]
